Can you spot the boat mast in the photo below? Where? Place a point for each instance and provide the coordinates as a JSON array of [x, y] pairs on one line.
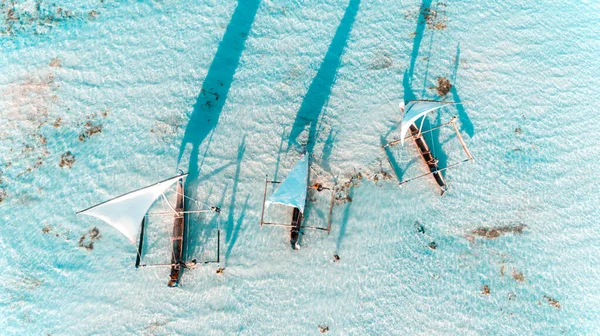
[[139, 252]]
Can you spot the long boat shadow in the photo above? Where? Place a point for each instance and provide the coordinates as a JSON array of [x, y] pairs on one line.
[[236, 178], [344, 223], [215, 88], [320, 89], [465, 122]]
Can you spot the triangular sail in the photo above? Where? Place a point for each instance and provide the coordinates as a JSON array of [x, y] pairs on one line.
[[125, 213], [292, 191], [413, 111]]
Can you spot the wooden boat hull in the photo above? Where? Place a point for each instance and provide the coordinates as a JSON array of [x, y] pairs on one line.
[[428, 158], [178, 238], [295, 230]]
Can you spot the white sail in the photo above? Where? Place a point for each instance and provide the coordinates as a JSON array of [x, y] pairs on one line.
[[292, 191], [414, 110], [125, 213]]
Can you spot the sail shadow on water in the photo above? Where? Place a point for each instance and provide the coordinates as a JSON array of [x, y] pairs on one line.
[[320, 89], [215, 88]]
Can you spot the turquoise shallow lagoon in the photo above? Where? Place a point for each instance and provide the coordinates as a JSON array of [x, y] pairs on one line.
[[231, 91]]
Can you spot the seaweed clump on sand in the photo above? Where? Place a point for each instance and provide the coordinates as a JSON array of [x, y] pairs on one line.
[[89, 130], [519, 276], [55, 63], [67, 160], [485, 290], [444, 86], [38, 19], [87, 240], [57, 122], [552, 302], [492, 233], [323, 328], [382, 61], [435, 18], [3, 194], [342, 191]]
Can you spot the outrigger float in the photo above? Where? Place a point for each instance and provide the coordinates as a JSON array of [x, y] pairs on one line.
[[128, 213], [412, 111], [292, 194]]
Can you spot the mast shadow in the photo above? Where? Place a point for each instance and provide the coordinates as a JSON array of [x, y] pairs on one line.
[[398, 172], [421, 24], [215, 88], [327, 150], [230, 214], [320, 89], [279, 155], [236, 231], [465, 122]]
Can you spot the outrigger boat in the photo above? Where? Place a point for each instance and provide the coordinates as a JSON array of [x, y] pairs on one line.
[[292, 194], [412, 112], [128, 214]]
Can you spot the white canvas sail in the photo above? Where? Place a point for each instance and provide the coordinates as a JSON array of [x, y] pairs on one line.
[[125, 213], [414, 110], [292, 191]]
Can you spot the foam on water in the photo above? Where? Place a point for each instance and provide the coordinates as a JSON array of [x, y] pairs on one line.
[[231, 92]]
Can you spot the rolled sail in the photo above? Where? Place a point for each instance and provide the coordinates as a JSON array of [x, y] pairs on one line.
[[292, 191], [414, 110], [125, 213]]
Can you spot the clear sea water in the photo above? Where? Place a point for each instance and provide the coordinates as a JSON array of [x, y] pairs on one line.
[[230, 92]]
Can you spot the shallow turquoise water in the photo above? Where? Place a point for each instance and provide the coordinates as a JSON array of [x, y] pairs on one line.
[[231, 92]]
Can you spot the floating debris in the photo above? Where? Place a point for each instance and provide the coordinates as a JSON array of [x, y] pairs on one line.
[[87, 240], [485, 290], [518, 130], [67, 160], [47, 229], [432, 245], [323, 328], [491, 233], [518, 276], [552, 302], [443, 86]]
